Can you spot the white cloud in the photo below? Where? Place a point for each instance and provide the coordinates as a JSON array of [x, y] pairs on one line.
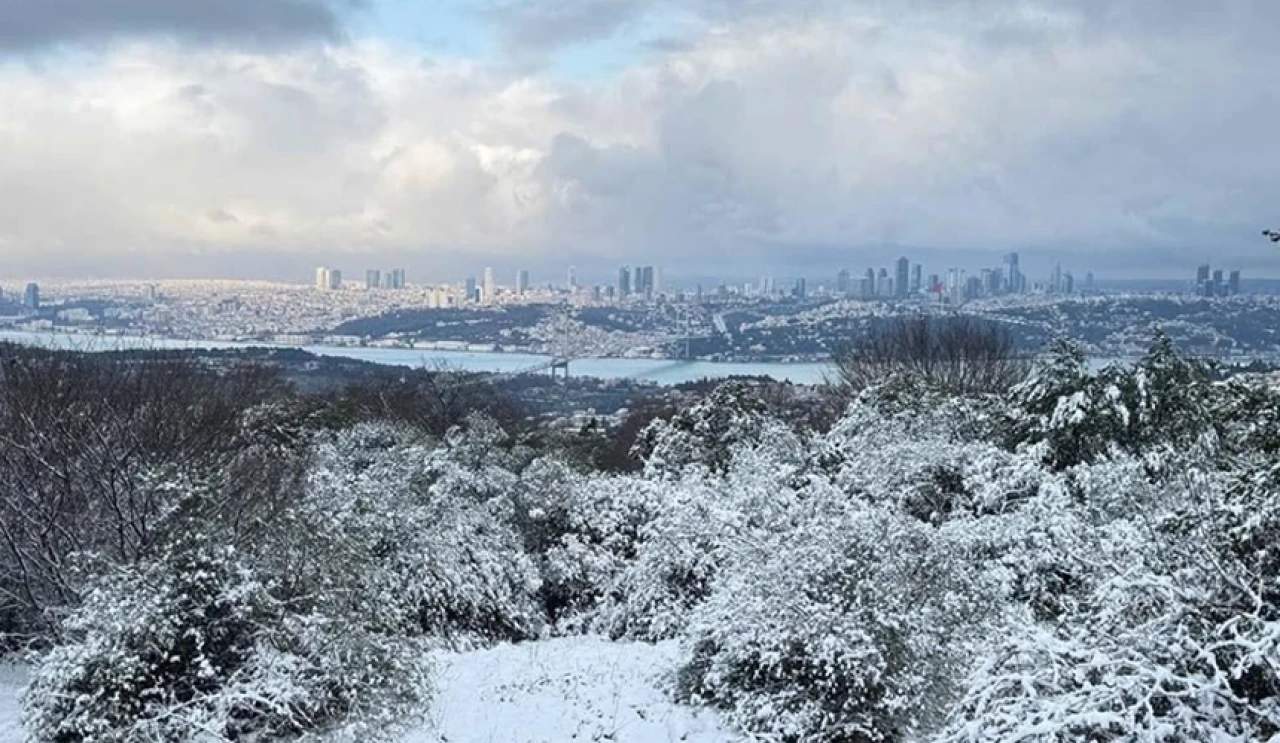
[[768, 133]]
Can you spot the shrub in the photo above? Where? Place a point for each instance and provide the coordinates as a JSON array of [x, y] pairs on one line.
[[198, 643], [853, 628]]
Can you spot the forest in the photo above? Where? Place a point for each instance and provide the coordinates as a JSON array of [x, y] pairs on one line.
[[961, 548]]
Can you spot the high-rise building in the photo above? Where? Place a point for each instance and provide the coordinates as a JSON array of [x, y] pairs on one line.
[[800, 289], [1088, 281], [1055, 279], [1233, 283], [917, 278], [902, 278], [1068, 283], [522, 281], [882, 283], [1013, 273], [472, 291], [490, 286], [1219, 286], [644, 283], [394, 278], [989, 280], [372, 278], [624, 282], [1202, 280], [844, 282], [573, 279], [323, 280], [31, 297]]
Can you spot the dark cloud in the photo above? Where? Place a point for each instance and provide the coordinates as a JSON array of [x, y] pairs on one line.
[[27, 25], [540, 26]]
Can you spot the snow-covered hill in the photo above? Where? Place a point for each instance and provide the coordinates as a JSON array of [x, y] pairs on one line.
[[570, 689]]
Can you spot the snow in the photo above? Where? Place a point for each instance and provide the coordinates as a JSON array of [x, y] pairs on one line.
[[12, 679], [567, 689]]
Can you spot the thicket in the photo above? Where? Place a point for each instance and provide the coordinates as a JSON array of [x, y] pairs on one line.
[[1063, 556]]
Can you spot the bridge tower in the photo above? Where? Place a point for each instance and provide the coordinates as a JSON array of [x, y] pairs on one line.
[[561, 364]]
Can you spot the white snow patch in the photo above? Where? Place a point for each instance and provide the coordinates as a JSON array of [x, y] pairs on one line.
[[12, 678], [569, 689], [556, 691]]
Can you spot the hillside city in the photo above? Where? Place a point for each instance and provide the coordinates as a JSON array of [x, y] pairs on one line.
[[642, 316]]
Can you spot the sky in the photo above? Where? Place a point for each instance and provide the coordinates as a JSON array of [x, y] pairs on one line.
[[260, 138]]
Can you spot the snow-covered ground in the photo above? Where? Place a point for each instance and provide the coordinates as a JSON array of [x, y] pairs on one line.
[[12, 679], [571, 689]]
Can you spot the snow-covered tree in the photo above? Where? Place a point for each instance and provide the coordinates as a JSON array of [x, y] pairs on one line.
[[199, 645]]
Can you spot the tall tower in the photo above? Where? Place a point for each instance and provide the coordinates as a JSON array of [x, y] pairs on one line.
[[572, 282], [322, 278], [902, 279], [624, 282], [372, 278], [490, 287], [1014, 272], [31, 297], [522, 281]]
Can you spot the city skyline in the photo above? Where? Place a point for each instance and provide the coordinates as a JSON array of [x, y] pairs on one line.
[[235, 139]]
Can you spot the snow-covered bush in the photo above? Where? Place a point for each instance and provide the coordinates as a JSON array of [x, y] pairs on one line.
[[427, 539], [200, 645], [1074, 417], [704, 520], [584, 531], [705, 434], [1150, 662], [856, 626]]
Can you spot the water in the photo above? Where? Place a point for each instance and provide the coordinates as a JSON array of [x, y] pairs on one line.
[[660, 371]]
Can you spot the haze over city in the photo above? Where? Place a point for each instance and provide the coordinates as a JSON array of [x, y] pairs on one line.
[[260, 138]]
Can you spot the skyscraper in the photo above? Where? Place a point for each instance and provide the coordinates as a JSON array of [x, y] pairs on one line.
[[1218, 285], [394, 279], [902, 278], [31, 297], [522, 281], [917, 278], [573, 279], [844, 281], [624, 282], [644, 282], [1202, 280], [800, 290], [490, 287], [882, 283], [372, 278], [1014, 274], [869, 283], [323, 280], [472, 291], [1233, 283]]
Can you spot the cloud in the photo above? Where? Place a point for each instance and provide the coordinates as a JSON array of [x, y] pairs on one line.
[[537, 27], [792, 140], [30, 25]]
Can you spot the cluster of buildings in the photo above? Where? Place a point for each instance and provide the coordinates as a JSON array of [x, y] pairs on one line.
[[330, 279], [905, 279], [1209, 283], [30, 297]]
